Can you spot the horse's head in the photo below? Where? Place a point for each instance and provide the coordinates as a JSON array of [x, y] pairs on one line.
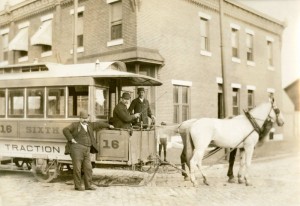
[[275, 113]]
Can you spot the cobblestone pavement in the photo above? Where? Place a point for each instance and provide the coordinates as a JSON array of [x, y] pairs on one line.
[[276, 182]]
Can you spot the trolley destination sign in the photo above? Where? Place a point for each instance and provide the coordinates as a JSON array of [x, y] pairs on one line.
[[32, 129]]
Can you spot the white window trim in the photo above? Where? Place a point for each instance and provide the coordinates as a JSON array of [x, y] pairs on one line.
[[79, 9], [219, 80], [3, 63], [249, 31], [46, 54], [111, 1], [23, 59], [271, 90], [236, 60], [271, 68], [182, 82], [204, 16], [251, 87], [268, 38], [206, 53], [24, 25], [235, 26], [4, 31], [79, 50], [115, 42], [251, 63], [47, 17], [236, 85]]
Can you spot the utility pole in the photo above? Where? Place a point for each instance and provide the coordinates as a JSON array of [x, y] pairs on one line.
[[223, 67], [75, 32]]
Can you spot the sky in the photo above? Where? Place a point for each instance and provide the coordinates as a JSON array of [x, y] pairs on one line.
[[287, 11]]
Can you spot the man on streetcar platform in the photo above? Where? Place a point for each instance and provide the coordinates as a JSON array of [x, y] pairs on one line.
[[141, 105], [121, 116], [81, 135]]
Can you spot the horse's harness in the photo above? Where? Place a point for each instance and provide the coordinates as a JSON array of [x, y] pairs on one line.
[[268, 122]]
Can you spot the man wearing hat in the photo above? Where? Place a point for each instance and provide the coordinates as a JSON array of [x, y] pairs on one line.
[[141, 105], [81, 135], [121, 116]]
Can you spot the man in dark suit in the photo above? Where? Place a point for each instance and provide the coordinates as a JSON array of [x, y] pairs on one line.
[[141, 105], [121, 116], [81, 135]]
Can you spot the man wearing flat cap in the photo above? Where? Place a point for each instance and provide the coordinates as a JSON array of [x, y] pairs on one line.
[[141, 105], [81, 135], [121, 116]]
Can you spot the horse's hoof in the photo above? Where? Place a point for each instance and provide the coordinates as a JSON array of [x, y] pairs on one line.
[[249, 184], [205, 182], [241, 181], [231, 180], [187, 179]]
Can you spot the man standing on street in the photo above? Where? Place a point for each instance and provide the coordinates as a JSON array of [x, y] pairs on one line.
[[141, 105], [81, 135], [121, 116]]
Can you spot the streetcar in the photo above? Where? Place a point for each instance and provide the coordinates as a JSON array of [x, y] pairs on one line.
[[38, 100]]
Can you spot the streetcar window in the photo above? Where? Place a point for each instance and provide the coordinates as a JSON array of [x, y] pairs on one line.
[[16, 102], [56, 102], [77, 100], [2, 103], [35, 102], [101, 103]]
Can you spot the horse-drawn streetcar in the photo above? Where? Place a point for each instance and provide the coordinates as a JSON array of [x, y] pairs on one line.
[[38, 100]]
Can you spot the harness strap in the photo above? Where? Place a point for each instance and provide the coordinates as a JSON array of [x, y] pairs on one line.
[[252, 121]]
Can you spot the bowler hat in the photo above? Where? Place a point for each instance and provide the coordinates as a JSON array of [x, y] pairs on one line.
[[83, 115], [141, 89], [126, 95]]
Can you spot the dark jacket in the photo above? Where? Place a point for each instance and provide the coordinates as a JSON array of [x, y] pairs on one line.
[[73, 130], [122, 117], [137, 106]]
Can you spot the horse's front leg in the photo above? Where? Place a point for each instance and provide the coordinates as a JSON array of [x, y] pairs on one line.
[[242, 169], [249, 153]]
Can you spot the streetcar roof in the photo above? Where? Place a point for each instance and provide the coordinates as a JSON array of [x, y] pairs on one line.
[[98, 70]]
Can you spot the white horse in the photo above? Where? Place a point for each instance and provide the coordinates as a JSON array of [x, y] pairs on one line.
[[237, 132]]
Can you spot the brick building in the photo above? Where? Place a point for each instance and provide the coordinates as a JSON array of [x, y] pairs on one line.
[[177, 41]]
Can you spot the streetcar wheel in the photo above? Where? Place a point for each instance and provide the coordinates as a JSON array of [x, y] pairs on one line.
[[19, 162], [45, 170]]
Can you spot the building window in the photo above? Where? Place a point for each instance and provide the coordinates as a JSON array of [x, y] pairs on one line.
[[270, 52], [181, 103], [250, 99], [249, 44], [46, 48], [116, 20], [204, 41], [5, 47], [235, 101], [80, 29], [235, 42]]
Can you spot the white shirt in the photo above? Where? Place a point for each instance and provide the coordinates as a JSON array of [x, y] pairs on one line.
[[84, 126]]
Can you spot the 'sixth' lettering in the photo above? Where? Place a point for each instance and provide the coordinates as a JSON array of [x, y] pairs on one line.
[[42, 130]]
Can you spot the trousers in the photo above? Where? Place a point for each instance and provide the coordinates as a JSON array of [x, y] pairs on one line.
[[81, 161]]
